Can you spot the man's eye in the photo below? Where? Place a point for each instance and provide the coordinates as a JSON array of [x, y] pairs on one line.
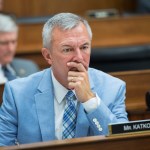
[[3, 42], [66, 50], [84, 48], [7, 42]]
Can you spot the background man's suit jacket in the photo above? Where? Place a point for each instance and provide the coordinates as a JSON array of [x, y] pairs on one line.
[[24, 67], [27, 113]]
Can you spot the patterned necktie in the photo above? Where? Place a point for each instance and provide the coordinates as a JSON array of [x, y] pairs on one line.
[[69, 117], [8, 74]]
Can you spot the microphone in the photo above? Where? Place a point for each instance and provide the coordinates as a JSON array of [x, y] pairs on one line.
[[147, 96]]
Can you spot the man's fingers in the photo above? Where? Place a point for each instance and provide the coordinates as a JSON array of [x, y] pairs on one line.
[[79, 66], [74, 85], [75, 79]]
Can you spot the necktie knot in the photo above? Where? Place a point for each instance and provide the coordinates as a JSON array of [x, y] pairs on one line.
[[70, 96]]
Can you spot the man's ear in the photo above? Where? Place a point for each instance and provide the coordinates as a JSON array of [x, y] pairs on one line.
[[46, 54]]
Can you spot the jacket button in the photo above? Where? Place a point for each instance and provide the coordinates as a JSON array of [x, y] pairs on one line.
[[94, 120], [100, 129]]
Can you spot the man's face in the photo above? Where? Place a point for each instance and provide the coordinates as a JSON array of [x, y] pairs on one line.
[[8, 43], [69, 46]]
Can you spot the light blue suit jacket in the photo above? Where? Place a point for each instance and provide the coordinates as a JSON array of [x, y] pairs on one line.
[[27, 112]]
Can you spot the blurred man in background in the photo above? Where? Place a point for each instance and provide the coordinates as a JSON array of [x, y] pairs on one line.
[[11, 68]]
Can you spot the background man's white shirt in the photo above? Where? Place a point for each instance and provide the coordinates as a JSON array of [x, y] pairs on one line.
[[3, 79]]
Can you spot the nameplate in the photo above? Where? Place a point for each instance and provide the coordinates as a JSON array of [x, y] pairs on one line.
[[130, 127]]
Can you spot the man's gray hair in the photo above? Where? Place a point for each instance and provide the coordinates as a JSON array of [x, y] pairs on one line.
[[65, 21], [7, 23]]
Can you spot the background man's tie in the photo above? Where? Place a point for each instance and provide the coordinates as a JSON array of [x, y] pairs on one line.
[[8, 74], [69, 117]]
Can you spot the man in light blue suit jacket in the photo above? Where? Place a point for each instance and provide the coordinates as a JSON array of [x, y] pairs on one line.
[[33, 107]]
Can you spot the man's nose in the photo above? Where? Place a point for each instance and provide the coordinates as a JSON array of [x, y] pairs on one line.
[[78, 55]]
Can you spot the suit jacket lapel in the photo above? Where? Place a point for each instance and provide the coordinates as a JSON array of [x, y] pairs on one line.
[[45, 110], [45, 107]]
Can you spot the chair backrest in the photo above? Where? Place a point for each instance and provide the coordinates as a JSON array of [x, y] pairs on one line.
[[122, 58]]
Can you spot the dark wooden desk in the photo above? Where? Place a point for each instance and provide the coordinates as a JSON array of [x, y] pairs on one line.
[[121, 142], [1, 92], [137, 84]]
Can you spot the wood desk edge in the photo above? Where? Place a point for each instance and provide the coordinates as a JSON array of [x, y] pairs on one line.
[[84, 140]]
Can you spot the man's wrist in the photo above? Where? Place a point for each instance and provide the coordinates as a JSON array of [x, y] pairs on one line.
[[92, 104]]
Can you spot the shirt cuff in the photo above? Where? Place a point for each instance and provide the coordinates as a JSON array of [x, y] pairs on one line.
[[92, 104]]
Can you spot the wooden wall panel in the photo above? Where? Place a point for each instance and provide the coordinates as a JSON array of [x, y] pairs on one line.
[[133, 30], [26, 8], [122, 31], [30, 38]]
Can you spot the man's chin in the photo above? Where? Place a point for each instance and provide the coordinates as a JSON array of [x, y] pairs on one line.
[[7, 61]]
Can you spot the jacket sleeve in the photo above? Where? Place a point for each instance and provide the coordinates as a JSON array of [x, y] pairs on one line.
[[104, 115], [8, 118]]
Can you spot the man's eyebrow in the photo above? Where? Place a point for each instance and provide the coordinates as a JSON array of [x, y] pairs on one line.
[[66, 45], [87, 43]]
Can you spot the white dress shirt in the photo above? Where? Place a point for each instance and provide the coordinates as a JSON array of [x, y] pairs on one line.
[[59, 105], [3, 79]]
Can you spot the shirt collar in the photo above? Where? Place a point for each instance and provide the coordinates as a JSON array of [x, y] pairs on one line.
[[59, 90]]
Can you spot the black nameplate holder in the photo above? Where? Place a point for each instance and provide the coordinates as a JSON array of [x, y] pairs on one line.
[[129, 127]]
